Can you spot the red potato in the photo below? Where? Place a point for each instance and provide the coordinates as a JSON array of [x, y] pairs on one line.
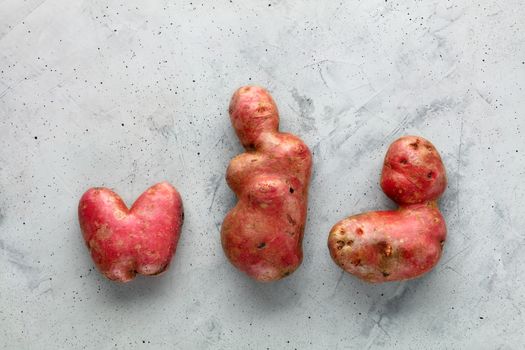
[[124, 242], [401, 244], [262, 235]]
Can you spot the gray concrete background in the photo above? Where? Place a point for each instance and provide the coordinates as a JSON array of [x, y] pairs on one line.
[[125, 94]]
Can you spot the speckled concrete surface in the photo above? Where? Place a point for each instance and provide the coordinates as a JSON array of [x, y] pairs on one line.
[[126, 94]]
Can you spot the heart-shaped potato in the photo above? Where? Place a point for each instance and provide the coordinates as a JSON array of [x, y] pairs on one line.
[[124, 242]]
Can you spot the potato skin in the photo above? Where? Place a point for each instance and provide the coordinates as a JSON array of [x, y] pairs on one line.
[[390, 245], [413, 171], [124, 242], [262, 234], [401, 244]]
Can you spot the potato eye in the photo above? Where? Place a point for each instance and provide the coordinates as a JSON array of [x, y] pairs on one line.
[[415, 144]]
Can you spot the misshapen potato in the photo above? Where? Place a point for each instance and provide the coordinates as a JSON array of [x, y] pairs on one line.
[[124, 242], [398, 244], [262, 234]]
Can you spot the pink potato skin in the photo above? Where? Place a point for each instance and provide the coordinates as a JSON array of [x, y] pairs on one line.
[[124, 242], [262, 235], [401, 244]]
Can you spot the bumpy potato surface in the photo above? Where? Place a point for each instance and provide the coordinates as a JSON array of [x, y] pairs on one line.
[[262, 234], [401, 244]]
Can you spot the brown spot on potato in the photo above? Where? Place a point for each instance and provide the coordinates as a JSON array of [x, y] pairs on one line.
[[359, 231], [433, 205], [340, 245], [415, 144], [342, 231], [261, 245], [385, 248], [430, 174], [403, 161], [385, 274], [291, 220], [349, 242], [262, 108], [291, 190], [356, 262]]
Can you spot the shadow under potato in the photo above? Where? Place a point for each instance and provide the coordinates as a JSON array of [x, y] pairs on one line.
[[141, 286], [270, 296]]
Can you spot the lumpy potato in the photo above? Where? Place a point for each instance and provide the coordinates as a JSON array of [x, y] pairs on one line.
[[262, 235], [401, 244]]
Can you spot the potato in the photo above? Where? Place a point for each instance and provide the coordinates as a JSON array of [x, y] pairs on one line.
[[262, 235], [398, 244], [124, 242], [413, 171]]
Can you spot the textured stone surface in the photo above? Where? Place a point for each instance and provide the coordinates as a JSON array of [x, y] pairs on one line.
[[127, 94]]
